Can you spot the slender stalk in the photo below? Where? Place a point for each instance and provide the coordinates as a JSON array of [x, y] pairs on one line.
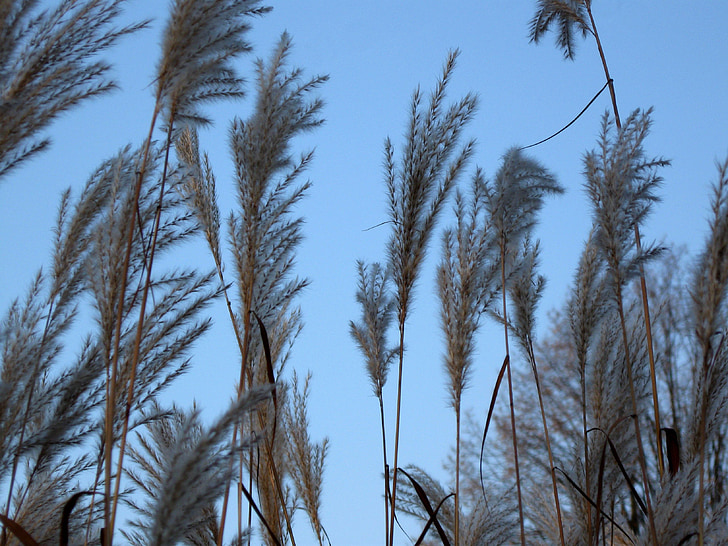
[[111, 384], [633, 395], [510, 392], [244, 351], [457, 475], [140, 328], [532, 357], [16, 458], [643, 283], [402, 315], [386, 470], [586, 451]]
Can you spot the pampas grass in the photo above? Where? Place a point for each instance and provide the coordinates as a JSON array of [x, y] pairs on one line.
[[417, 191], [48, 65], [82, 428]]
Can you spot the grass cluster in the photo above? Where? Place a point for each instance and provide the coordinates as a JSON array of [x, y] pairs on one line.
[[614, 427]]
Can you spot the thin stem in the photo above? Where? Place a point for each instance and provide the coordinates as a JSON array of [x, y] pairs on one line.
[[16, 458], [633, 395], [386, 469], [510, 393], [532, 357], [396, 430], [457, 474], [111, 384], [643, 283], [140, 328], [586, 450]]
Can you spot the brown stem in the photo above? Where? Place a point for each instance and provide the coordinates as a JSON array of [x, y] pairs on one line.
[[586, 451], [140, 329], [633, 396], [16, 458], [532, 357], [396, 430], [457, 474], [386, 469], [510, 393], [643, 284], [108, 531]]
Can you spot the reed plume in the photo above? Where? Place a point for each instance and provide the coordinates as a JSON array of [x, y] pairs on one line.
[[417, 190], [48, 65], [513, 200], [370, 334], [467, 282]]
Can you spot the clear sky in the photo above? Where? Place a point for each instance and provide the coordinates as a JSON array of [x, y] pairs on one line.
[[667, 54]]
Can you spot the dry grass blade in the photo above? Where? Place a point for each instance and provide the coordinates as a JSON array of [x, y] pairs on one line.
[[260, 515], [622, 469], [66, 516], [428, 507], [493, 398], [266, 350], [21, 534]]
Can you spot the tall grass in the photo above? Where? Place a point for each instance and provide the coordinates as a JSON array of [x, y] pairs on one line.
[[83, 429]]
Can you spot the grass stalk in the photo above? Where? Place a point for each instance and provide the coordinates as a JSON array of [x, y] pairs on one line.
[[559, 519], [510, 392], [112, 375], [396, 430], [643, 283], [635, 412], [140, 327]]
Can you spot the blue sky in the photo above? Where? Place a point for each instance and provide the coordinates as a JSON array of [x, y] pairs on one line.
[[669, 55]]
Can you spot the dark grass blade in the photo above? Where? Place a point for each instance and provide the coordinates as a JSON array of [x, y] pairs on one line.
[[266, 348], [432, 520], [490, 416], [594, 504], [269, 367], [613, 449], [66, 515], [258, 513], [21, 534], [672, 445], [428, 507]]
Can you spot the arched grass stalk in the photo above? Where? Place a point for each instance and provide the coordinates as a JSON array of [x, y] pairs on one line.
[[263, 233], [525, 292], [621, 184], [572, 17]]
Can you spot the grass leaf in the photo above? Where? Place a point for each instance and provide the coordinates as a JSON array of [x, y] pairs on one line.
[[21, 534], [428, 507]]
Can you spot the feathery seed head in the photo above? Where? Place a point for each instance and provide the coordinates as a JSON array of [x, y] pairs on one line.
[[418, 188]]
